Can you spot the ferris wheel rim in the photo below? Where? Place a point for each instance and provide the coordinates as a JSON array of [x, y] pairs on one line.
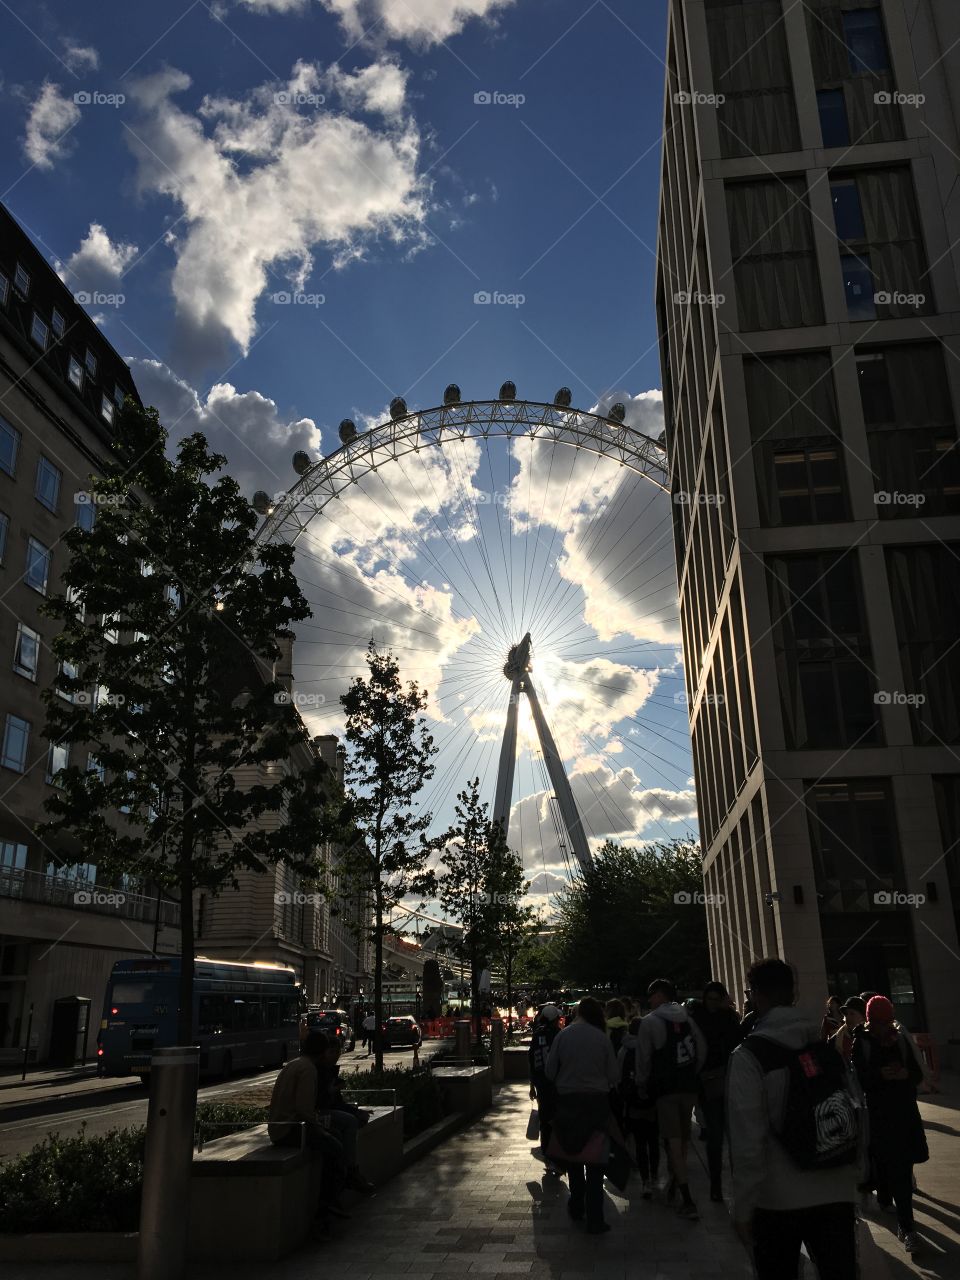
[[356, 458]]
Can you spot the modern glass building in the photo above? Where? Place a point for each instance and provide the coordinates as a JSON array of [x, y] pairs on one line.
[[809, 316]]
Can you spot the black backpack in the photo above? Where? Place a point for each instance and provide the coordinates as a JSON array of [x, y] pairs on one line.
[[673, 1067], [821, 1125]]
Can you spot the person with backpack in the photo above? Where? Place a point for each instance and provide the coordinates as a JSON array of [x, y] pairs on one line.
[[639, 1113], [889, 1073], [542, 1091], [793, 1132], [720, 1026], [670, 1055]]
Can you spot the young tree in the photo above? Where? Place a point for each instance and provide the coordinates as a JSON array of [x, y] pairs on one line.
[[513, 923], [166, 692], [462, 888], [388, 760]]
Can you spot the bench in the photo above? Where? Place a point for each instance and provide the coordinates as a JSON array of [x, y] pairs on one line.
[[252, 1200]]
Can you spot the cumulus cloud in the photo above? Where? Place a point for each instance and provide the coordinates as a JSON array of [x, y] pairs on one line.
[[79, 57], [99, 261], [262, 183], [51, 117], [421, 22]]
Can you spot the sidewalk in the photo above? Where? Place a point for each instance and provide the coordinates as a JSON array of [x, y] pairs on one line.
[[480, 1205], [49, 1082]]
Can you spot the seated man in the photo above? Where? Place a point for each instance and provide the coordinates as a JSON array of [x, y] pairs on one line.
[[343, 1118], [293, 1122]]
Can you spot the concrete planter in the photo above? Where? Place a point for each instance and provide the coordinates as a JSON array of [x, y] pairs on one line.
[[70, 1246]]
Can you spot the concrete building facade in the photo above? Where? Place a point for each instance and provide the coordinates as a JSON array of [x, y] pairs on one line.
[[809, 315]]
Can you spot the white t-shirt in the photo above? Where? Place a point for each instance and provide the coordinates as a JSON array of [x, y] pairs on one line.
[[369, 1022]]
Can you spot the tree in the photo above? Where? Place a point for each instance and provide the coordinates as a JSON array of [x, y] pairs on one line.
[[635, 915], [513, 924], [388, 760], [171, 626]]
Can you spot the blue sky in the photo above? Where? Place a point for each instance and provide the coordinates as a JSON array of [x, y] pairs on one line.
[[206, 162]]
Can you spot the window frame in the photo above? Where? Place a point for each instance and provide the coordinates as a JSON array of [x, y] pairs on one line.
[[20, 668], [15, 438], [75, 382], [91, 362], [58, 323], [37, 321], [21, 272], [32, 543], [51, 771], [47, 468], [17, 724]]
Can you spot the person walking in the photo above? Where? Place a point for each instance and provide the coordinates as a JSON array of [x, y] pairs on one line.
[[889, 1073], [542, 1091], [720, 1027], [639, 1113], [583, 1067], [785, 1195], [671, 1052], [367, 1028], [854, 1015], [832, 1019]]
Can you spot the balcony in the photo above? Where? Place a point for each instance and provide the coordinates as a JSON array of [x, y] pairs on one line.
[[81, 895]]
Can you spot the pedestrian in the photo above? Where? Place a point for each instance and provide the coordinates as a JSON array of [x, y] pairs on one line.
[[889, 1073], [368, 1029], [794, 1181], [639, 1114], [293, 1122], [616, 1018], [854, 1015], [542, 1091], [720, 1027], [671, 1052], [583, 1067], [832, 1019]]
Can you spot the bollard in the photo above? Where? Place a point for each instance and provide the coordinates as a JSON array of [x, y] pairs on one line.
[[496, 1050], [462, 1031], [165, 1208]]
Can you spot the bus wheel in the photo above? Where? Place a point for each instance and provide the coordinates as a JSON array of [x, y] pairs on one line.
[[227, 1067]]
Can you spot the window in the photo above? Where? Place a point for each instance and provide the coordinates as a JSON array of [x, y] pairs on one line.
[[809, 485], [9, 447], [39, 331], [853, 832], [58, 758], [119, 396], [859, 286], [107, 408], [85, 514], [37, 573], [847, 213], [57, 323], [822, 651], [47, 489], [925, 592], [94, 766], [21, 280], [833, 118], [16, 736], [26, 654], [774, 263], [72, 672], [90, 360], [13, 856], [4, 527], [75, 373], [865, 39], [756, 111]]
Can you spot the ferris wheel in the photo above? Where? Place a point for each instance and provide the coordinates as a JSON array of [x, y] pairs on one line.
[[488, 543]]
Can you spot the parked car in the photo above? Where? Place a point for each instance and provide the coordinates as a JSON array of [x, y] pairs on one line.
[[401, 1032], [333, 1022]]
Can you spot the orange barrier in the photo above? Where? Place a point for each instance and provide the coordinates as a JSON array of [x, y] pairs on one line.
[[928, 1051]]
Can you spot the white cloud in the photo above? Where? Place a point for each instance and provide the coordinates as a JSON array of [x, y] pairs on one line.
[[305, 177], [99, 261], [79, 57], [381, 87], [421, 22], [52, 115]]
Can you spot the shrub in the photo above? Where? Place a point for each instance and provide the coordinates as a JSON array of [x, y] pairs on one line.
[[217, 1119], [416, 1092], [75, 1184]]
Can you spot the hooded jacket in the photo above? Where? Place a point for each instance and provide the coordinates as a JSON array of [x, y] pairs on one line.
[[653, 1036], [764, 1175]]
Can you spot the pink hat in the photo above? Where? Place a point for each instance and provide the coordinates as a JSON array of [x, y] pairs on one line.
[[879, 1009]]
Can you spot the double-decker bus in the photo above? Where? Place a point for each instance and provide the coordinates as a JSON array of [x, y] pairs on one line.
[[244, 1015]]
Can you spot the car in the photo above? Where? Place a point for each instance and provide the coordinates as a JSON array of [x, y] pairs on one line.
[[333, 1022], [401, 1032]]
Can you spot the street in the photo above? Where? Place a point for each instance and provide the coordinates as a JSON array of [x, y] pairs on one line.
[[37, 1107]]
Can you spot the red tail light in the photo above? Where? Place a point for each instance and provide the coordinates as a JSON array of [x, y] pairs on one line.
[[114, 1010], [99, 1053]]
